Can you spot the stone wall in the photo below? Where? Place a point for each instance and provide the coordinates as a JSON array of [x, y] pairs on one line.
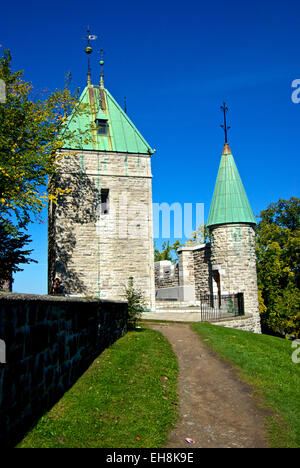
[[186, 266], [49, 343], [95, 252], [193, 270], [166, 274], [202, 271], [246, 323]]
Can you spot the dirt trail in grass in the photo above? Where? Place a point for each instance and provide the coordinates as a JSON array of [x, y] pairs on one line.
[[216, 409]]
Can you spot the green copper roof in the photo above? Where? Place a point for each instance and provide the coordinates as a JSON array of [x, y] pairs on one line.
[[230, 203], [121, 135]]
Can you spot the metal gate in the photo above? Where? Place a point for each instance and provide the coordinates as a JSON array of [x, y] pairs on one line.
[[215, 307]]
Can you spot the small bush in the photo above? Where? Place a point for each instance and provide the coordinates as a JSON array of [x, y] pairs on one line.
[[136, 304]]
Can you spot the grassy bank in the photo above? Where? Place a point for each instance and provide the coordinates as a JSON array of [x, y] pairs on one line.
[[127, 398], [266, 363]]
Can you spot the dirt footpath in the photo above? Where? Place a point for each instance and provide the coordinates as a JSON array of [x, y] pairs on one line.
[[216, 409]]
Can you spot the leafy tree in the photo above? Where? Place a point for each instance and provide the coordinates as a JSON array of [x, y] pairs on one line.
[[167, 252], [200, 236], [30, 136], [12, 252], [278, 264]]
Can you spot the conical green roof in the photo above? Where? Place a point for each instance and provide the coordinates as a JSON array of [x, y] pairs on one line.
[[120, 133], [229, 203]]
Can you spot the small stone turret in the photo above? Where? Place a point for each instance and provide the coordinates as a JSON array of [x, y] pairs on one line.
[[231, 224]]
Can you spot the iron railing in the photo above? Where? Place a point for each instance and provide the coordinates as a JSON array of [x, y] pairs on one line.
[[220, 307]]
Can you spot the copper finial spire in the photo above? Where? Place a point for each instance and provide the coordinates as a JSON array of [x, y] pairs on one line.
[[88, 51], [225, 126], [101, 65]]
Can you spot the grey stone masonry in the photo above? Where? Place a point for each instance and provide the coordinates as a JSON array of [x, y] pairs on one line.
[[166, 274], [202, 268], [186, 266], [101, 233], [233, 259], [195, 268]]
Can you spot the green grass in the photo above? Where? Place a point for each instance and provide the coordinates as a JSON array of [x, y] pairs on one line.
[[266, 363], [127, 398]]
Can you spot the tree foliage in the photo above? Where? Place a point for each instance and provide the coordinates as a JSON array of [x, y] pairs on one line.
[[278, 264], [30, 135], [200, 236], [12, 252], [168, 252]]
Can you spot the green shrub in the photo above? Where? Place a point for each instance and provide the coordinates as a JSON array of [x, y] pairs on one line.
[[136, 304]]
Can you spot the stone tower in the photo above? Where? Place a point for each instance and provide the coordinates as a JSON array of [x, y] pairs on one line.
[[231, 224], [101, 233]]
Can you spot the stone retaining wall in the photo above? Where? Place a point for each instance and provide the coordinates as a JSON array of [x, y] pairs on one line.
[[246, 323], [49, 343]]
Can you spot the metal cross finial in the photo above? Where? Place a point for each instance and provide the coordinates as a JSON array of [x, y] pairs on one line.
[[225, 126]]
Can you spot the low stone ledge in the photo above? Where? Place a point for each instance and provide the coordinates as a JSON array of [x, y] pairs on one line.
[[246, 322], [234, 318], [54, 298]]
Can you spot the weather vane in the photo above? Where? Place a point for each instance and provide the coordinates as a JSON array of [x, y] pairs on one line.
[[225, 126], [88, 50]]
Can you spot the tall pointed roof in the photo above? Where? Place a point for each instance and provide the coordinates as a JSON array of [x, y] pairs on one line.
[[120, 133], [229, 203]]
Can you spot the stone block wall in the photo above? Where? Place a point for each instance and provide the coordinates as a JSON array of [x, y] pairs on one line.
[[245, 323], [186, 266], [193, 270], [202, 271], [166, 274], [49, 343]]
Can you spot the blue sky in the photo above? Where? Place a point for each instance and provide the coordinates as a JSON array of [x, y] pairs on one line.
[[176, 62]]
